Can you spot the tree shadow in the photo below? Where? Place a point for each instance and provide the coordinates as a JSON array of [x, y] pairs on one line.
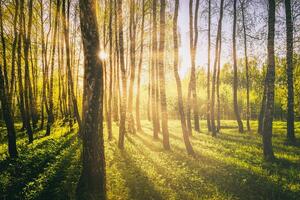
[[229, 178], [30, 163], [295, 143], [235, 180], [154, 145], [139, 185], [54, 187]]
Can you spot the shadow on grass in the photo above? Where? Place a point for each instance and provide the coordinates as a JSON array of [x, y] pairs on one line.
[[54, 185], [139, 185], [153, 145], [31, 163], [229, 178]]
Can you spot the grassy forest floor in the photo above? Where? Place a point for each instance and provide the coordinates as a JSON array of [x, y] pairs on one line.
[[229, 166]]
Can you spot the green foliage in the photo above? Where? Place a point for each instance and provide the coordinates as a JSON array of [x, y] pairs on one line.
[[229, 166]]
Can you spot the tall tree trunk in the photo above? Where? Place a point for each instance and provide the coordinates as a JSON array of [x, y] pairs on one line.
[[289, 71], [109, 116], [193, 50], [8, 118], [208, 67], [270, 80], [23, 96], [235, 78], [43, 64], [122, 128], [13, 53], [162, 86], [149, 114], [153, 70], [185, 133], [116, 68], [3, 43], [59, 55], [247, 67], [137, 107], [193, 73], [91, 184], [218, 38], [218, 86], [50, 119], [30, 102], [70, 77], [132, 33]]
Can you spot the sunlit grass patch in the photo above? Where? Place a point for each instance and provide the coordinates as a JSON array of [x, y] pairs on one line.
[[229, 166]]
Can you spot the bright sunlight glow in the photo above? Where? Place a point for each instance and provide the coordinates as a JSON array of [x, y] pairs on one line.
[[103, 55]]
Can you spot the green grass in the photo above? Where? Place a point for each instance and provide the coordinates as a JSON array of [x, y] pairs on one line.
[[229, 166]]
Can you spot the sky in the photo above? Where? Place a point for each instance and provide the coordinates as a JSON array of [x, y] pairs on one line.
[[201, 55], [184, 50]]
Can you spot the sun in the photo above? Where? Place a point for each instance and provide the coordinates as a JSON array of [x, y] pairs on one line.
[[103, 55]]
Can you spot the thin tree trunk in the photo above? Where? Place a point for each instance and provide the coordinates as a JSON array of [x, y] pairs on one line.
[[212, 106], [13, 53], [193, 50], [50, 119], [218, 86], [109, 117], [70, 77], [149, 72], [185, 133], [208, 67], [153, 90], [23, 95], [270, 80], [235, 78], [43, 102], [122, 128], [132, 33], [137, 107], [162, 87], [289, 71], [30, 102], [262, 111], [4, 61], [116, 67], [247, 67]]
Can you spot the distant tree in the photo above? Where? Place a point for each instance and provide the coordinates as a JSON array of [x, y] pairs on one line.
[[13, 52], [213, 92], [192, 89], [235, 78], [68, 60], [24, 104], [122, 128], [218, 84], [185, 133], [116, 68], [91, 184], [153, 71], [30, 102], [208, 66], [246, 63], [110, 95], [137, 113], [50, 119]]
